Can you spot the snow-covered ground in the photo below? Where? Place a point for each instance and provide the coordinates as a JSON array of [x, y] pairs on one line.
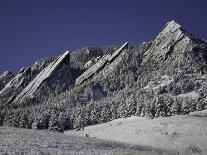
[[202, 113], [173, 133], [16, 141]]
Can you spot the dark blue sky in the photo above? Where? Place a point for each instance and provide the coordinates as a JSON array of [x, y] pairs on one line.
[[31, 29]]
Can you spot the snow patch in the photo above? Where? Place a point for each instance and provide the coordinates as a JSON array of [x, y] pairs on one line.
[[202, 113], [164, 81], [192, 95]]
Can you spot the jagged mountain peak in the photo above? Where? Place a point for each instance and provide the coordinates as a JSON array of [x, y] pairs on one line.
[[171, 26], [172, 32], [174, 28], [169, 47]]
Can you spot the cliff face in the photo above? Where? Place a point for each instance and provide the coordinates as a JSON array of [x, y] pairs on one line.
[[17, 83], [49, 75], [100, 64], [171, 48], [5, 78], [45, 75]]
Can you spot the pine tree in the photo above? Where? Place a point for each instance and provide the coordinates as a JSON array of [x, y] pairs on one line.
[[113, 110], [176, 107], [122, 110], [185, 108]]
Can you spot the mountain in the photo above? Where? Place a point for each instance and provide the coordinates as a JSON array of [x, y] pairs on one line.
[[18, 82], [172, 45], [163, 77]]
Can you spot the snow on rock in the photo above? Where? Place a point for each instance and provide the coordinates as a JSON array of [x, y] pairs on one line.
[[43, 76], [164, 81], [100, 64], [88, 64], [164, 45], [22, 70], [117, 52], [192, 95], [92, 70], [18, 82], [13, 87], [5, 78], [91, 62]]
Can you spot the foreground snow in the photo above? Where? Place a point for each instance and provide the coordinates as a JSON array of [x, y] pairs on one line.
[[14, 141], [202, 113], [172, 133]]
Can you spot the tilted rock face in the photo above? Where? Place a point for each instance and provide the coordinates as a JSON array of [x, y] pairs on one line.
[[12, 87], [169, 47], [93, 69], [118, 52], [100, 64], [162, 46], [43, 78], [22, 79], [5, 78]]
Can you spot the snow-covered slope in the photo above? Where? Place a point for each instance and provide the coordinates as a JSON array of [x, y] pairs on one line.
[[173, 133]]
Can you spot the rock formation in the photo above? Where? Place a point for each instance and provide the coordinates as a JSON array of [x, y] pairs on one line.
[[100, 64], [17, 83], [5, 78], [168, 48], [44, 76]]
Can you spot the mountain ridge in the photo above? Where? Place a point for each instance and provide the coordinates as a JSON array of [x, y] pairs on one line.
[[162, 77]]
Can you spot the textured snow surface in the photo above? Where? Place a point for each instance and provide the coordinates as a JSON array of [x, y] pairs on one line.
[[173, 133], [202, 113]]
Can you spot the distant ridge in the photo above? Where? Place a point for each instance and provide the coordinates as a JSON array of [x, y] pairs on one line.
[[163, 77]]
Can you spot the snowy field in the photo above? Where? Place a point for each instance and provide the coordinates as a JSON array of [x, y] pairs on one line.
[[177, 133], [183, 135], [15, 141]]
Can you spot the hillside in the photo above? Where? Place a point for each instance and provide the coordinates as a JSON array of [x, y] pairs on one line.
[[162, 77], [176, 133]]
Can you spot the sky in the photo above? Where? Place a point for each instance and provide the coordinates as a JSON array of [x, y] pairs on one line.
[[34, 29]]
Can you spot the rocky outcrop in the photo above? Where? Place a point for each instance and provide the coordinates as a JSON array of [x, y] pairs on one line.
[[100, 64], [16, 84], [80, 58], [117, 52], [5, 78], [22, 79], [44, 76], [92, 70], [91, 62], [168, 48]]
